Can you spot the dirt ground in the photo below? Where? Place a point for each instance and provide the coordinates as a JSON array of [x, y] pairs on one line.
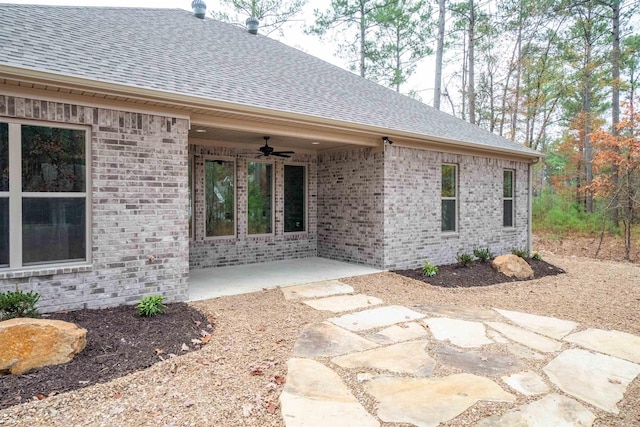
[[236, 379]]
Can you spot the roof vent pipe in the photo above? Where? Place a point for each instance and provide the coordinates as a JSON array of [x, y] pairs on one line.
[[252, 25], [199, 8]]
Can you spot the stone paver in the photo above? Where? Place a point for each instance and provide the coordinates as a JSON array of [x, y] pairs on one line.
[[316, 290], [473, 314], [552, 410], [528, 383], [594, 378], [314, 395], [340, 303], [398, 333], [326, 339], [404, 358], [614, 343], [478, 362], [528, 338], [376, 317], [429, 402], [461, 333], [549, 326]]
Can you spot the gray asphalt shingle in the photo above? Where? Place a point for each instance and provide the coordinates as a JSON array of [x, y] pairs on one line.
[[171, 50]]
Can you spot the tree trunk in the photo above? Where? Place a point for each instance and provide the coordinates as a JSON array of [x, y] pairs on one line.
[[615, 100], [437, 87], [472, 91], [362, 39]]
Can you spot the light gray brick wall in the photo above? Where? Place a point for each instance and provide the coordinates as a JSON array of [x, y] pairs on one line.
[[244, 248], [412, 183], [139, 209], [350, 206]]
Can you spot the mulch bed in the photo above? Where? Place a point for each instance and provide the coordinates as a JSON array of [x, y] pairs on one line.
[[479, 274], [119, 342]]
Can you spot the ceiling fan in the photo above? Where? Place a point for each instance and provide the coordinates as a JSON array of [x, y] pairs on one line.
[[268, 151]]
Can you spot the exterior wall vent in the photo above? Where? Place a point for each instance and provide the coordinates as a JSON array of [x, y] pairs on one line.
[[199, 8]]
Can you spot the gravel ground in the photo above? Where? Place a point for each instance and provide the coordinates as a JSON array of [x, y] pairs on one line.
[[237, 378]]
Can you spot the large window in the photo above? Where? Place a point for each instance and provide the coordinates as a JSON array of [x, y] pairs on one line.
[[43, 195], [294, 198], [507, 199], [449, 197], [220, 197], [260, 198]]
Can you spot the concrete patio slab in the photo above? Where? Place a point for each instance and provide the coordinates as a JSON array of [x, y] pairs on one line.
[[316, 290], [398, 333], [549, 326], [552, 410], [527, 338], [325, 340], [429, 402], [314, 395], [340, 303], [461, 333], [528, 383], [376, 317], [594, 378], [240, 279], [614, 343], [404, 358]]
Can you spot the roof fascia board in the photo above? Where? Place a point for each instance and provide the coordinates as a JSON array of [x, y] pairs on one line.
[[88, 101], [190, 101]]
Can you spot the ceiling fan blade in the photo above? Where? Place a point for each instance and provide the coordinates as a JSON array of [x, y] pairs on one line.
[[284, 152], [280, 154]]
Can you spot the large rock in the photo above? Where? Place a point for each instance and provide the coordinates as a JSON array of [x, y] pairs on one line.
[[512, 266], [33, 343]]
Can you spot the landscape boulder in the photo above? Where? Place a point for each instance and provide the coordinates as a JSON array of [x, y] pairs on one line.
[[27, 343], [512, 266]]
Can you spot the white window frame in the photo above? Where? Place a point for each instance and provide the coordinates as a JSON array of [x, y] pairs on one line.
[[273, 193], [512, 198], [306, 198], [235, 196], [16, 195], [456, 198]]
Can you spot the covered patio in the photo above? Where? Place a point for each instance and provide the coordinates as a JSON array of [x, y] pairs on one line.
[[239, 279]]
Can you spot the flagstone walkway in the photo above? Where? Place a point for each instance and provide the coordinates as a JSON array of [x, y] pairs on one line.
[[393, 351]]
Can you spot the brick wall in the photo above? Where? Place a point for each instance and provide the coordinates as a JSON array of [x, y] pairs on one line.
[[350, 206], [412, 207], [244, 248], [139, 209]]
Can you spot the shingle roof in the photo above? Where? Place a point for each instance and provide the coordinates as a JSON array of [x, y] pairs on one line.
[[171, 50]]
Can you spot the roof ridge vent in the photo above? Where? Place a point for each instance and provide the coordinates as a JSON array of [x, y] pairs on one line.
[[199, 8], [252, 25]]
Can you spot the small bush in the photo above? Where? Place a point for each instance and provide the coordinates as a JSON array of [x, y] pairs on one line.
[[536, 256], [465, 259], [522, 253], [18, 304], [151, 305], [483, 254], [429, 270]]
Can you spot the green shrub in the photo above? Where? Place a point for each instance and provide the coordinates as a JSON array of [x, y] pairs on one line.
[[522, 253], [151, 305], [429, 270], [18, 304], [483, 254], [465, 259], [536, 256], [551, 213]]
